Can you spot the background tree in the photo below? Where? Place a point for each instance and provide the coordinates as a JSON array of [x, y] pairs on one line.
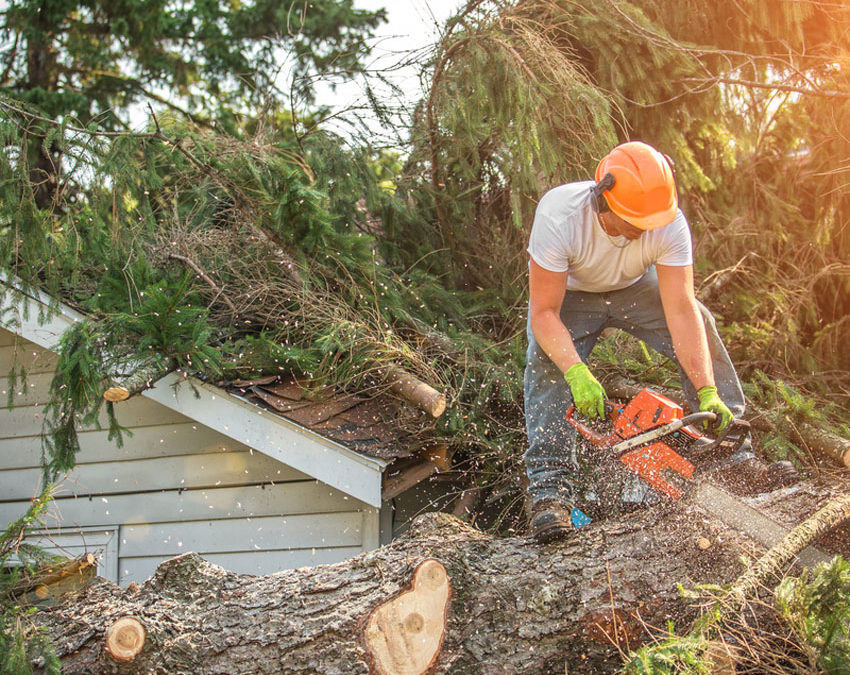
[[751, 100], [92, 60]]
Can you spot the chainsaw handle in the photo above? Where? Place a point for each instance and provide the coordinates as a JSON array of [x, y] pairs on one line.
[[592, 435], [697, 417]]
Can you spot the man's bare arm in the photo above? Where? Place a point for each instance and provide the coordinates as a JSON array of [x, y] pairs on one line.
[[546, 293], [684, 321]]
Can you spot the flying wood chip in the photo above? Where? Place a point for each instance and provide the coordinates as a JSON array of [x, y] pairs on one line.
[[405, 634]]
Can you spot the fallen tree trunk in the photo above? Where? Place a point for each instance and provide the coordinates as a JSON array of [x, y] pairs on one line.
[[513, 606]]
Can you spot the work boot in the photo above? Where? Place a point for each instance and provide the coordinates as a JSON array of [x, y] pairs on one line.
[[550, 520], [753, 476]]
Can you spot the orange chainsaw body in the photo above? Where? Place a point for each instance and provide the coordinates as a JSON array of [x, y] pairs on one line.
[[657, 463]]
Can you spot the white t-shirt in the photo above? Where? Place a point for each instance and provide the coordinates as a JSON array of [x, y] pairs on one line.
[[567, 237]]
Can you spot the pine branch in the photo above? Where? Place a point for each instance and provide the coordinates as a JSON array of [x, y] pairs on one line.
[[771, 563]]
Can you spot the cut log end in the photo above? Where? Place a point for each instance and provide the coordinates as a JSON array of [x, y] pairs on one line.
[[438, 407], [116, 394], [417, 392], [125, 638], [404, 635], [439, 455]]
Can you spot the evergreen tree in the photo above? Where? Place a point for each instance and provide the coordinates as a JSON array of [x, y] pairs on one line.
[[95, 57], [751, 100], [92, 59]]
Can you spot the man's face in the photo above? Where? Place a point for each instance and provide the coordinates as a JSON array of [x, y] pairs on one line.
[[616, 226]]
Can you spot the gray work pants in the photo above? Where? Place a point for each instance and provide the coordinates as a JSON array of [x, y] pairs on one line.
[[559, 467]]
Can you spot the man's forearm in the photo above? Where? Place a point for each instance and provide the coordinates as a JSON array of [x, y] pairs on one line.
[[691, 345], [684, 321], [555, 340]]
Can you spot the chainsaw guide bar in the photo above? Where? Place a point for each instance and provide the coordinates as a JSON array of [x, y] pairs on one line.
[[739, 515]]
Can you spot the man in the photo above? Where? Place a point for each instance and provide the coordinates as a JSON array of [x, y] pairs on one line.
[[611, 253]]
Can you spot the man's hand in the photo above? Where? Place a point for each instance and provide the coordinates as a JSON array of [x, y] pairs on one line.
[[588, 394], [709, 401]]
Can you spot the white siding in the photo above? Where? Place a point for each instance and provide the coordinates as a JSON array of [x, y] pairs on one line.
[[175, 486], [326, 460]]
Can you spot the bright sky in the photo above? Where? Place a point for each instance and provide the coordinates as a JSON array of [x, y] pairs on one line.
[[412, 25]]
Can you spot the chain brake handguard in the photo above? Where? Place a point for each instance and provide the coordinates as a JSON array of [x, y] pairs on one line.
[[601, 441]]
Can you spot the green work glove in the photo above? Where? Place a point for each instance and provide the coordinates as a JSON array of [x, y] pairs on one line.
[[709, 401], [588, 394]]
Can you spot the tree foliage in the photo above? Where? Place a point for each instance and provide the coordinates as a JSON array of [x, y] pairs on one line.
[[21, 641], [94, 59], [749, 99]]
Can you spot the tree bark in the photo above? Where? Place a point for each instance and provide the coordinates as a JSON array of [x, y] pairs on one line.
[[514, 606]]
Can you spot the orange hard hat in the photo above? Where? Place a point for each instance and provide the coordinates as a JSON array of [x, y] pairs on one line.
[[644, 190]]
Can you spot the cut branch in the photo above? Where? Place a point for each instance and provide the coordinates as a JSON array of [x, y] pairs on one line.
[[828, 517], [411, 472], [416, 391], [825, 443], [47, 576], [142, 378]]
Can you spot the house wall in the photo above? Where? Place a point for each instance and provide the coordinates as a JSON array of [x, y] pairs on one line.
[[175, 486]]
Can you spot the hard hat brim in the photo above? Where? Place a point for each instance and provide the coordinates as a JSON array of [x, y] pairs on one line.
[[649, 222]]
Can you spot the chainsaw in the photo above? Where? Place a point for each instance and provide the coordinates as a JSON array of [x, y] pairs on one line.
[[651, 434]]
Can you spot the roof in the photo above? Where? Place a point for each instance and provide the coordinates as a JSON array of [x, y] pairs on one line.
[[338, 439], [370, 425]]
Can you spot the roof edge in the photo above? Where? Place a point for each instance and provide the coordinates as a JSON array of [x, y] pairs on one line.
[[35, 316]]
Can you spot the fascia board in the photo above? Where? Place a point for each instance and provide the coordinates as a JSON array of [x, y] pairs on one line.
[[29, 315], [300, 448]]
